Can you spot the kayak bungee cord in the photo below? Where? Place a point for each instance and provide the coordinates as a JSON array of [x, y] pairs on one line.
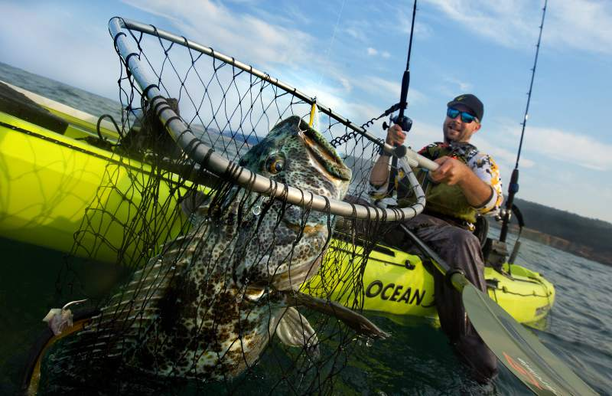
[[514, 186]]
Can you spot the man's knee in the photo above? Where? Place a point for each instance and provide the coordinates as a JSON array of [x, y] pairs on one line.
[[464, 247]]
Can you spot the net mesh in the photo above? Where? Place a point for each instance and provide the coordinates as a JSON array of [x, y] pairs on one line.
[[225, 289]]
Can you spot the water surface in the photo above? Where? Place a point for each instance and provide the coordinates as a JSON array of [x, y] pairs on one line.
[[416, 360]]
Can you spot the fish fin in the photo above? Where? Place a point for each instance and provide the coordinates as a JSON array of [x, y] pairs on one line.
[[293, 329], [170, 249], [352, 319], [125, 320], [195, 204], [295, 277]]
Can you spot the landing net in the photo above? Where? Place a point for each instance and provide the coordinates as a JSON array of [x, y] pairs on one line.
[[242, 277]]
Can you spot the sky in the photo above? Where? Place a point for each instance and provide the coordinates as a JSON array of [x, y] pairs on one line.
[[351, 55]]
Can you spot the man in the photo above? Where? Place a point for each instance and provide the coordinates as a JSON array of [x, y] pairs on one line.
[[466, 184]]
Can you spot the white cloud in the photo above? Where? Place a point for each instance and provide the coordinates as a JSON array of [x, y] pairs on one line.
[[582, 195], [329, 95], [582, 24], [269, 46], [60, 51], [403, 16], [495, 20], [385, 88], [502, 156], [374, 52], [423, 134], [361, 112], [355, 33], [293, 15], [243, 2], [422, 31], [451, 85], [579, 24], [573, 148], [213, 24], [346, 83], [389, 90], [463, 86], [547, 143]]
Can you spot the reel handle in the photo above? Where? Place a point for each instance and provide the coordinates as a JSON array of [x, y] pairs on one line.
[[404, 122]]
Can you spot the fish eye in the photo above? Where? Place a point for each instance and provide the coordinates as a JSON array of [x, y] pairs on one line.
[[275, 164]]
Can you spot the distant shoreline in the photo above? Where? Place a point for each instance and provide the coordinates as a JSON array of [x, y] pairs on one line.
[[565, 245], [569, 232]]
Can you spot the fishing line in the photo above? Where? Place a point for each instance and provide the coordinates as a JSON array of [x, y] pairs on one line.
[[331, 42], [514, 186], [314, 118]]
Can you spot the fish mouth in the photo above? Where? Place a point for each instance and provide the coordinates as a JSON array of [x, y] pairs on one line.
[[324, 154], [291, 274], [294, 267]]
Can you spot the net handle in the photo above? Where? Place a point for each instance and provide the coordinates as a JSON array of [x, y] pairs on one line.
[[127, 49]]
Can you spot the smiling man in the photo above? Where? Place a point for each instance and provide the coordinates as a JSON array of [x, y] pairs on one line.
[[467, 184]]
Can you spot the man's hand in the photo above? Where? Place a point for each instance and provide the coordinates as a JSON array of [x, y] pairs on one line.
[[451, 171], [380, 172], [455, 172], [395, 135]]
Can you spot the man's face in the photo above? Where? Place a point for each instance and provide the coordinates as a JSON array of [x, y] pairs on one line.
[[456, 130]]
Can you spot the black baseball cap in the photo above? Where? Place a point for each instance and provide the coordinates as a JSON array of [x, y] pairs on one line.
[[471, 102]]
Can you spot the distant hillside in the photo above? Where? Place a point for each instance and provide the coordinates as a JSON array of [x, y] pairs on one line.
[[589, 238]]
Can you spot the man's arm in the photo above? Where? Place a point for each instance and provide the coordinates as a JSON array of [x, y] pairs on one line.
[[485, 168], [452, 171], [380, 172]]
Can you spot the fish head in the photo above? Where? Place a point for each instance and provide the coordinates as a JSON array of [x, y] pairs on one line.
[[297, 155], [287, 238]]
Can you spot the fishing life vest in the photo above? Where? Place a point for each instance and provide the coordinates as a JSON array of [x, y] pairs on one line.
[[442, 198]]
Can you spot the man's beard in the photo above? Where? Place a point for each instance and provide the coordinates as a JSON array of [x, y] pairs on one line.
[[458, 133]]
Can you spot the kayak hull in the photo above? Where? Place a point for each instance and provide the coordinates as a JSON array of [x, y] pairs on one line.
[[53, 182], [400, 283]]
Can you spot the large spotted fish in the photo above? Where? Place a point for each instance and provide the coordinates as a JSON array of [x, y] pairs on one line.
[[208, 305]]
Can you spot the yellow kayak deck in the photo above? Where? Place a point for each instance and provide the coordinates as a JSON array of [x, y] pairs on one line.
[[402, 284], [52, 182]]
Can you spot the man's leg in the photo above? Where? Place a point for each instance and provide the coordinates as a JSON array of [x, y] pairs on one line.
[[461, 250]]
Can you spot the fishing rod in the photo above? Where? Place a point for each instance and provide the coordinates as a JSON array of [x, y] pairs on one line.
[[517, 349], [404, 122], [514, 186]]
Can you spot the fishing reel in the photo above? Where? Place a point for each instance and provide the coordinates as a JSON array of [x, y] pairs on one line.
[[404, 122]]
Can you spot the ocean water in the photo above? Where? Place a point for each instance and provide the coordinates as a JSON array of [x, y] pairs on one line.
[[416, 360]]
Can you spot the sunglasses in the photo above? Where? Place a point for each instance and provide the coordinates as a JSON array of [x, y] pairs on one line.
[[465, 117]]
